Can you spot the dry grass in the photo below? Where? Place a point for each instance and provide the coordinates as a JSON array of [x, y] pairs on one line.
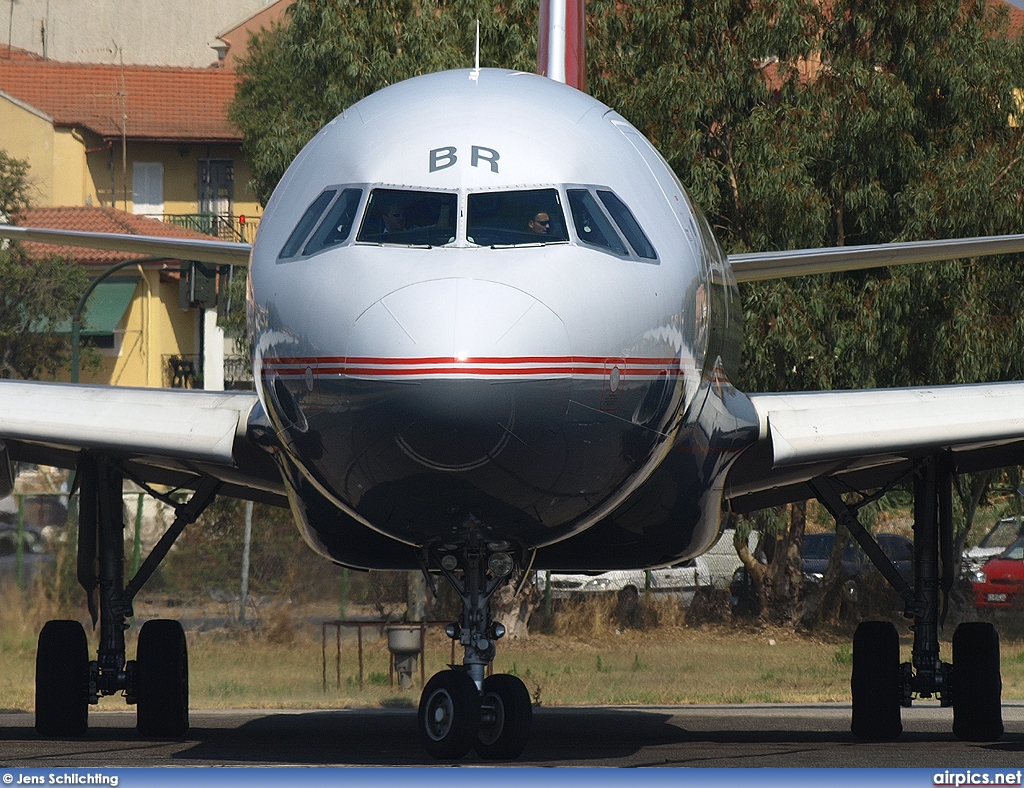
[[585, 660]]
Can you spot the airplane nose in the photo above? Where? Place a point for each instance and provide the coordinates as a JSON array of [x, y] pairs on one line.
[[458, 364], [458, 320]]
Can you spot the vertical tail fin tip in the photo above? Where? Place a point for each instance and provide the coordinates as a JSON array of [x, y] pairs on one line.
[[561, 45]]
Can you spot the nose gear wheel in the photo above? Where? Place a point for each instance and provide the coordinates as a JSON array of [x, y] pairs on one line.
[[506, 714], [449, 714]]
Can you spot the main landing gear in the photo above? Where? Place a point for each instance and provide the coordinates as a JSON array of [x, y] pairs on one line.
[[880, 684], [157, 679], [461, 709]]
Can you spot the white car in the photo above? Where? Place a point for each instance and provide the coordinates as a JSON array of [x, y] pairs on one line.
[[1001, 536], [680, 579]]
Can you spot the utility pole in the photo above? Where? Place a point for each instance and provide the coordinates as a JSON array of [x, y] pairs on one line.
[[245, 561]]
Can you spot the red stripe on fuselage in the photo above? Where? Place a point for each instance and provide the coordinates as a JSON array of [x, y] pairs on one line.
[[308, 360], [485, 366]]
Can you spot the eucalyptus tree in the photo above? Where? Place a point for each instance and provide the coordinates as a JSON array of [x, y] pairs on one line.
[[328, 54], [797, 125], [34, 293]]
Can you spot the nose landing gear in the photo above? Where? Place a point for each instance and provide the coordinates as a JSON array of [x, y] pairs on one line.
[[461, 709]]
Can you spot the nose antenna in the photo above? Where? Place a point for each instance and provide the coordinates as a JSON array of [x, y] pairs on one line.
[[476, 60]]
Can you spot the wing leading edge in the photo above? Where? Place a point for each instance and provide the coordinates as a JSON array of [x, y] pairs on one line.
[[165, 436], [212, 251], [870, 438], [758, 266]]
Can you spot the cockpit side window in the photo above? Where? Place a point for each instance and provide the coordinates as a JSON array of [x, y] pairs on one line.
[[306, 224], [515, 218], [592, 226], [630, 227], [337, 226], [409, 218]]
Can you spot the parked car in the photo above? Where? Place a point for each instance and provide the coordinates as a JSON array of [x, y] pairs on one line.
[[999, 537], [815, 554], [817, 549], [679, 579], [999, 584], [35, 555]]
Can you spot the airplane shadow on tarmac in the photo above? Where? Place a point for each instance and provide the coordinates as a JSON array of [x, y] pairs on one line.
[[560, 736]]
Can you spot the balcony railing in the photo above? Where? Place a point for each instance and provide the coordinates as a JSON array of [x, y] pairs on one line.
[[184, 372], [238, 373], [227, 228]]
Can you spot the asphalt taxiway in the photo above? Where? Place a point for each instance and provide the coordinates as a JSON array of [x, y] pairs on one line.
[[775, 735]]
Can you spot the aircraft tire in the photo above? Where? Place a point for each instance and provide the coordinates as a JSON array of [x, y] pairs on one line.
[[161, 680], [62, 680], [875, 683], [977, 685], [449, 714], [506, 715]]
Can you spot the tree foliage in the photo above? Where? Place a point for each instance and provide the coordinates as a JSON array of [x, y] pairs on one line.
[[800, 124], [14, 186], [328, 54], [209, 554], [870, 123], [34, 294]]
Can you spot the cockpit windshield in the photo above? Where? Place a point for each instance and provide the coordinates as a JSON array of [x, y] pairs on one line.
[[592, 226], [337, 225], [409, 218], [515, 218], [306, 223], [586, 215]]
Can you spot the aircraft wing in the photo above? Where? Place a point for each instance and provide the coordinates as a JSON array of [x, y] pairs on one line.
[[758, 266], [868, 438], [749, 267], [164, 436], [211, 251]]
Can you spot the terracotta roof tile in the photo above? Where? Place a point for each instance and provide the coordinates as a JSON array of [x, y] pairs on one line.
[[1015, 16], [95, 220], [159, 103]]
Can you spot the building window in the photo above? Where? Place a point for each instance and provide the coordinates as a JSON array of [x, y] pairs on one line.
[[148, 187], [216, 186]]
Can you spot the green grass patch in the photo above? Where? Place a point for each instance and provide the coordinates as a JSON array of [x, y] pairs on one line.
[[279, 665]]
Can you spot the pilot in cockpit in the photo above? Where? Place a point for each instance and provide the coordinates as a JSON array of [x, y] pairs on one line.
[[393, 219], [540, 224]]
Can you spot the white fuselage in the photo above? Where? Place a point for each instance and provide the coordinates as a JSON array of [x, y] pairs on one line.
[[435, 365]]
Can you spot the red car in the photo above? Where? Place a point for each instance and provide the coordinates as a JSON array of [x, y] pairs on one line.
[[999, 584]]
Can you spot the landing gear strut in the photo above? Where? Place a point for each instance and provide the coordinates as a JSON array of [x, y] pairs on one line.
[[462, 709], [880, 684], [66, 681]]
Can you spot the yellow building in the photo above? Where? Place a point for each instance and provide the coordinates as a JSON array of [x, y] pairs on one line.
[[133, 319], [151, 142]]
